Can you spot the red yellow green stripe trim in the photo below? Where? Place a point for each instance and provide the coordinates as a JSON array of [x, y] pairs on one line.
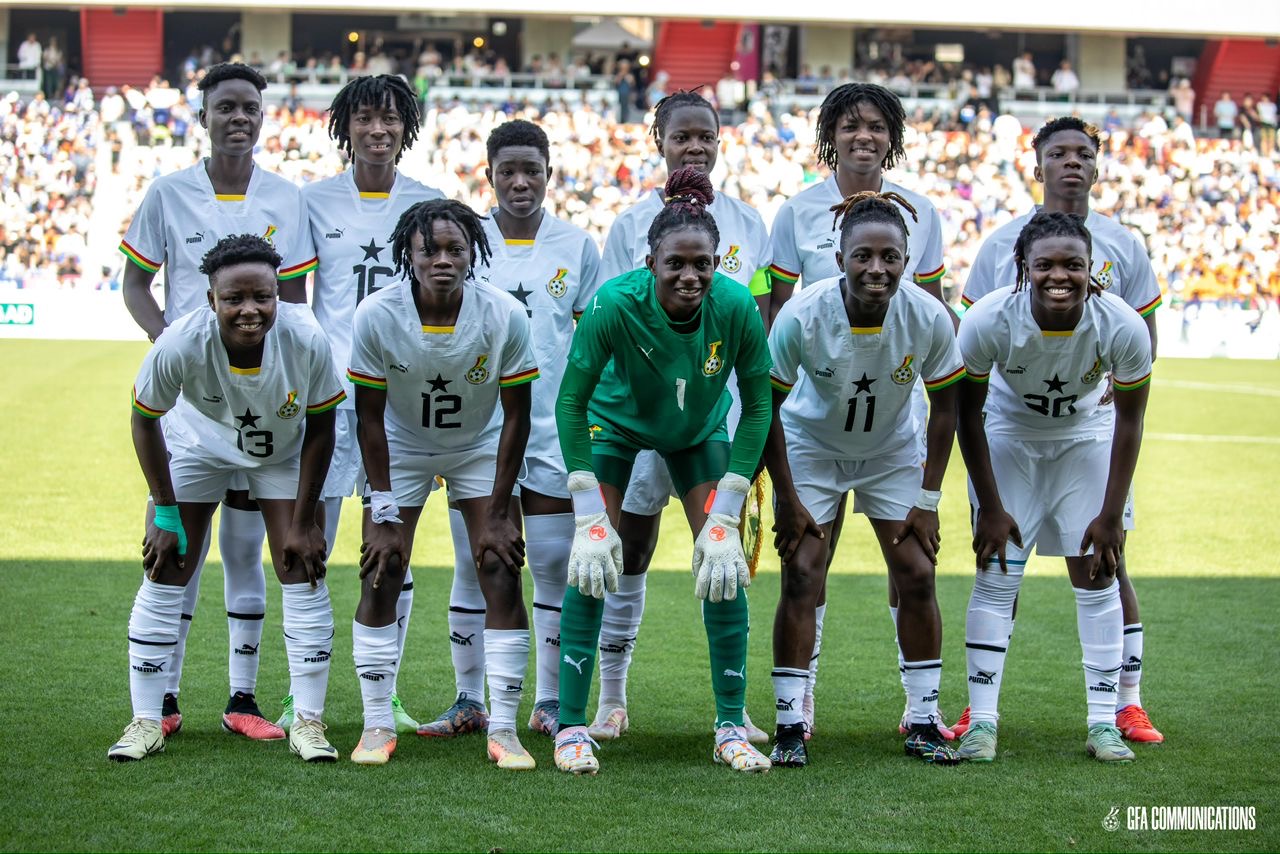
[[977, 378], [367, 381], [518, 379], [779, 385], [966, 301], [942, 382], [783, 274], [138, 258], [1151, 306], [930, 278], [326, 405], [1133, 384], [144, 410], [298, 269]]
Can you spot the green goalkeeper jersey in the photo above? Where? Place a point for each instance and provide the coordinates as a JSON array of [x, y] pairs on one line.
[[661, 388]]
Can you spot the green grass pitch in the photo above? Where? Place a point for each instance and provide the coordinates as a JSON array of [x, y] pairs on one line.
[[1204, 560]]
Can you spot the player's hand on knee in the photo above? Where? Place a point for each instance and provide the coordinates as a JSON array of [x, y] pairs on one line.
[[383, 551], [791, 524], [923, 525], [993, 531], [502, 539], [1106, 537], [304, 546], [165, 545], [719, 565], [595, 558]]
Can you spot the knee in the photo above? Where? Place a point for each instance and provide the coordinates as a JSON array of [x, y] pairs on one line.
[[914, 583], [636, 554], [496, 578], [802, 582]]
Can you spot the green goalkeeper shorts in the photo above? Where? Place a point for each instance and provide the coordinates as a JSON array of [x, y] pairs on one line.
[[613, 455]]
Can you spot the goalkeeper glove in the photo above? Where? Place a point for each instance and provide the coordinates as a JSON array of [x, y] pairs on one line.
[[719, 566], [595, 560]]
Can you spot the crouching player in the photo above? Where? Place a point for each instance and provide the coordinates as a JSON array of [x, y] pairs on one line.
[[253, 390], [432, 358], [1047, 468], [846, 353]]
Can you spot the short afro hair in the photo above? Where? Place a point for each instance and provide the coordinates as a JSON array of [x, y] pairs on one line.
[[1064, 123], [518, 132], [239, 249], [224, 71]]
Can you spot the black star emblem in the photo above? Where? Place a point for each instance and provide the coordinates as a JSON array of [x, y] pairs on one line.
[[248, 419], [521, 294], [373, 250], [863, 384], [1055, 384], [439, 383]]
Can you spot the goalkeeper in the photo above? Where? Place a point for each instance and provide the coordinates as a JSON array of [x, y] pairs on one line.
[[648, 369]]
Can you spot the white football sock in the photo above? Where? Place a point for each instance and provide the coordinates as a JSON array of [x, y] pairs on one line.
[[308, 640], [191, 595], [618, 630], [153, 634], [466, 615], [1131, 674], [986, 638], [240, 536], [548, 539], [1101, 627], [374, 649], [332, 515], [404, 607], [506, 655], [819, 614], [788, 694], [921, 679]]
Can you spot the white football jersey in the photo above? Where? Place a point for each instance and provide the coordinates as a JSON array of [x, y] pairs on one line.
[[181, 218], [554, 277], [805, 239], [851, 387], [1120, 263], [744, 241], [1052, 382], [442, 382], [249, 418], [350, 234]]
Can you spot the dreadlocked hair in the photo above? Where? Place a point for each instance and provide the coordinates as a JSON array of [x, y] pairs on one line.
[[688, 193], [419, 217], [843, 100], [870, 206], [231, 71], [1065, 123], [669, 104], [517, 132], [1048, 224], [239, 249], [381, 90]]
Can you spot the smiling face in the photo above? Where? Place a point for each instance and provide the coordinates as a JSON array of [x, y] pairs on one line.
[[442, 262], [1067, 165], [862, 140], [682, 265], [232, 113], [519, 175], [243, 296], [873, 256], [691, 138], [1058, 268], [376, 133]]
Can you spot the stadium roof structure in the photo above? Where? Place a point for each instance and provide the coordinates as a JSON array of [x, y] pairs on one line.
[[609, 35]]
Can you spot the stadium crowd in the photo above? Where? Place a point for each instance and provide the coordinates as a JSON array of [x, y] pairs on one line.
[[1207, 208]]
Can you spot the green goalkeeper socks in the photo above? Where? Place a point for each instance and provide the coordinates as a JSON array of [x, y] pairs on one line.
[[579, 639], [727, 624]]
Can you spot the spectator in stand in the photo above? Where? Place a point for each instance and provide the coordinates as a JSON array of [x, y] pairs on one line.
[[624, 85], [30, 57], [54, 66], [1184, 99], [1249, 120], [1064, 80], [1266, 125], [1024, 72], [1226, 113]]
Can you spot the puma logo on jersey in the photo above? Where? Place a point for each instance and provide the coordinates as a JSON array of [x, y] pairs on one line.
[[215, 398], [196, 238], [824, 372], [1021, 369], [829, 243], [646, 352], [577, 665], [400, 366], [336, 234], [737, 673]]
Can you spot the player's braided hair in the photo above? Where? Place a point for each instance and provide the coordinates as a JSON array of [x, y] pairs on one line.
[[239, 249], [1048, 224], [1060, 124], [381, 90], [870, 206], [843, 100], [688, 193], [419, 218], [231, 71], [663, 110], [517, 132]]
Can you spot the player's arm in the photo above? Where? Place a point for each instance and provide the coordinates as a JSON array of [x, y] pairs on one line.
[[791, 521], [292, 290], [922, 519], [1106, 532], [140, 302], [1150, 320], [384, 539], [762, 289], [499, 535], [165, 541], [782, 284], [305, 539], [993, 527]]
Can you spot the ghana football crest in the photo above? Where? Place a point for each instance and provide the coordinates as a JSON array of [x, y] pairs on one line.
[[714, 363], [905, 373], [556, 287], [1105, 277], [269, 234], [732, 262], [290, 407], [478, 372], [1094, 374]]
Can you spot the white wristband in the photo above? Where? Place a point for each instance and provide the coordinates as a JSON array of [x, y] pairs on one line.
[[928, 499], [587, 502], [383, 508]]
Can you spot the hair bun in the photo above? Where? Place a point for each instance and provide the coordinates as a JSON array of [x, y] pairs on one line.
[[689, 185]]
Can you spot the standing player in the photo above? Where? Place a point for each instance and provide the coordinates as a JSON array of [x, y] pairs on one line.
[[374, 120], [246, 371], [649, 367], [552, 267], [686, 130], [1047, 467], [851, 348], [181, 216], [1067, 165], [432, 358], [861, 129]]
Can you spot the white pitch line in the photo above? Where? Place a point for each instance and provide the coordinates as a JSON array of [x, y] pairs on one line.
[[1229, 388], [1204, 437]]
